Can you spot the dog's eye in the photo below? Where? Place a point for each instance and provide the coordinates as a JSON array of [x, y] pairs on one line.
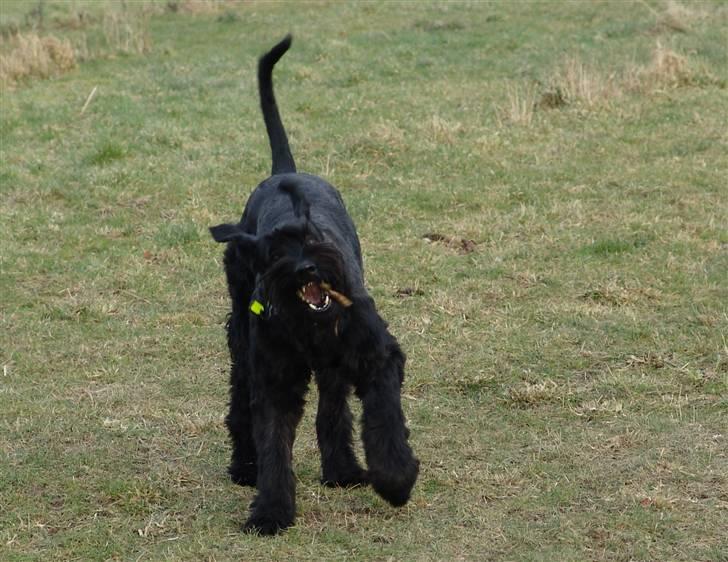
[[309, 240]]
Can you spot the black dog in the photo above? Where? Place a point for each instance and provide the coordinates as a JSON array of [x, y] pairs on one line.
[[294, 272]]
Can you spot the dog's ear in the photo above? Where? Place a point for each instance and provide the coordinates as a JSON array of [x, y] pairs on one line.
[[227, 232], [233, 232], [245, 244]]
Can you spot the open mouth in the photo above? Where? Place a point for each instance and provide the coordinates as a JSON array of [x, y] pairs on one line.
[[314, 296]]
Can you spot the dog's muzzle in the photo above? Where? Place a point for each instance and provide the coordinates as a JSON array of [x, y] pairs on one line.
[[318, 296]]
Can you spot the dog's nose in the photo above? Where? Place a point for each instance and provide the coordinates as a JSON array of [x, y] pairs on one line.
[[306, 269]]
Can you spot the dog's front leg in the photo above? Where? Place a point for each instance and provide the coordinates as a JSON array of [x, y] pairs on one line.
[[274, 507], [333, 430], [393, 468], [276, 407]]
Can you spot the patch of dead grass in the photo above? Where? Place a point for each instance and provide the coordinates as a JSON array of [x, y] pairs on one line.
[[616, 293], [461, 245], [667, 69], [648, 359], [200, 7], [527, 279], [528, 394], [444, 131], [127, 31], [35, 56], [677, 17], [390, 134], [598, 406], [578, 83], [32, 55], [519, 106], [621, 443]]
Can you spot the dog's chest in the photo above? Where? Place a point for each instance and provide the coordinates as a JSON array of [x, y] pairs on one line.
[[322, 346]]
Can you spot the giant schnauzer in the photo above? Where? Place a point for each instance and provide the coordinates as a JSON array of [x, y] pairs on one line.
[[299, 305]]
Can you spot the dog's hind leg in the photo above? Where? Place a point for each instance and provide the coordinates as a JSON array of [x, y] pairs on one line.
[[339, 466], [243, 465], [392, 466], [243, 468]]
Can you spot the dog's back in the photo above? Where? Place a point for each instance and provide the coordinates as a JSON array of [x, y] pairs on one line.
[[268, 207]]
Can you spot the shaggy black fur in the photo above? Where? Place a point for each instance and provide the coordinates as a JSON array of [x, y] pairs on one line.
[[299, 306]]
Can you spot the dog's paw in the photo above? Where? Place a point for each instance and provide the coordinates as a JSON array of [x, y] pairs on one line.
[[350, 479], [243, 474], [266, 525], [396, 488]]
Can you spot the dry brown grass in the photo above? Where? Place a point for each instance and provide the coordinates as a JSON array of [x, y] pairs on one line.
[[519, 106], [573, 82], [199, 6], [617, 293], [667, 69], [677, 17], [127, 31], [577, 83], [443, 131], [528, 394], [33, 55]]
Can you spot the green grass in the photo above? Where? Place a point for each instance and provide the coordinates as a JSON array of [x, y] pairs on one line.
[[567, 380]]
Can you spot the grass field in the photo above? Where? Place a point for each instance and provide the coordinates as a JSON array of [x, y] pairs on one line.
[[541, 191]]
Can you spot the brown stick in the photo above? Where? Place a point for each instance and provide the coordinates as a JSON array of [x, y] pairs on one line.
[[88, 99], [338, 297]]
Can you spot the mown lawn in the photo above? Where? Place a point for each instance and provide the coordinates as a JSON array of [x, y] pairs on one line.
[[541, 191]]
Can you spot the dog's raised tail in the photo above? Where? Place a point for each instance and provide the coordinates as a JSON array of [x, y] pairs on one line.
[[280, 151]]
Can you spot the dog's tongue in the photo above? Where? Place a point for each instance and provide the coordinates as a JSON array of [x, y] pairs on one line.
[[312, 293]]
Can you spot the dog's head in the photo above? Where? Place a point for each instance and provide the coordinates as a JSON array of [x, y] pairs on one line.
[[301, 273]]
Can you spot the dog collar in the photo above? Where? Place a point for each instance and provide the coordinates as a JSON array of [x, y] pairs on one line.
[[256, 307]]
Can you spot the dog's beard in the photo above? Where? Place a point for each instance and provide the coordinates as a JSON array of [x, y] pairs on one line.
[[315, 293]]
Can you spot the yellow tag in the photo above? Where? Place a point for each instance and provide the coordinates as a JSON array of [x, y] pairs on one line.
[[256, 307]]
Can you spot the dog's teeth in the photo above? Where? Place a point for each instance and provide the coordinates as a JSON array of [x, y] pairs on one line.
[[325, 298]]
